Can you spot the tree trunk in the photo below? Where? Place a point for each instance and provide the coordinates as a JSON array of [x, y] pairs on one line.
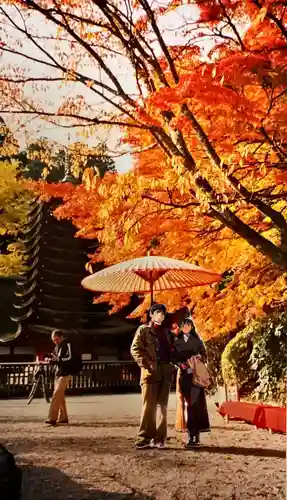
[[266, 247], [277, 254]]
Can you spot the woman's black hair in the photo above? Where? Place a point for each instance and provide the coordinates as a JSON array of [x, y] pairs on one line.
[[186, 321]]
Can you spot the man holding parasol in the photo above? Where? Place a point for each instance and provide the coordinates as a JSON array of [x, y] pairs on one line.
[[151, 349]]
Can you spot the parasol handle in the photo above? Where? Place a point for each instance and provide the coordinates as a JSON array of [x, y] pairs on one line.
[[151, 293]]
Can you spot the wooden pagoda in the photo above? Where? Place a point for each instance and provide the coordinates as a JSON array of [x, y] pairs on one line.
[[50, 296]]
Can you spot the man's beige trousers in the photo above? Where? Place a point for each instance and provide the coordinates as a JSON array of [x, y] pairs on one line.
[[58, 409]]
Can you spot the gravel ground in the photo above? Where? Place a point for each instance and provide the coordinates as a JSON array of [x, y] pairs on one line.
[[93, 458]]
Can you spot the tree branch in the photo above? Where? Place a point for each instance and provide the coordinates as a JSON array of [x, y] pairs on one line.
[[145, 5], [232, 26], [89, 121], [277, 218], [270, 15], [46, 13], [229, 219]]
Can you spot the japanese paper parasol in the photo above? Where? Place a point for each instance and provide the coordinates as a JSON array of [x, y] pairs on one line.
[[149, 274]]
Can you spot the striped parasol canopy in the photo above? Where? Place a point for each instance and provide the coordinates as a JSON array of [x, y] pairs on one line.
[[149, 274]]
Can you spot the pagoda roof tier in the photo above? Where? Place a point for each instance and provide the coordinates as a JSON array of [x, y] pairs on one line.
[[26, 280], [22, 317], [30, 268], [10, 336], [67, 251], [25, 304], [35, 211], [34, 253], [35, 203], [65, 312], [61, 303], [31, 243], [122, 328], [64, 252], [65, 279], [62, 241], [27, 292], [73, 298], [58, 287], [32, 225], [62, 274], [65, 227], [76, 265]]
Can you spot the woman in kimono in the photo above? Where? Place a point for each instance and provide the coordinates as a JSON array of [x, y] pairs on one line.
[[187, 344]]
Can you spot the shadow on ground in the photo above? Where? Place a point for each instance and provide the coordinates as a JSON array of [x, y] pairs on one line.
[[122, 445], [238, 450], [101, 445], [47, 483]]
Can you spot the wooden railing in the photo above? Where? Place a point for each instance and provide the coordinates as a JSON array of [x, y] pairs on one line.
[[16, 379]]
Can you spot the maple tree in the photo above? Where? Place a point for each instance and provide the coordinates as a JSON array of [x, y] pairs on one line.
[[207, 133], [220, 123], [130, 228]]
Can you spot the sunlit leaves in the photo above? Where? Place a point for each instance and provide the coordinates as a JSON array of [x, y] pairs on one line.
[[14, 199], [206, 117], [15, 202]]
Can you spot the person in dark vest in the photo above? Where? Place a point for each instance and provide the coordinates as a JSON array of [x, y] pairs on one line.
[[67, 364], [185, 345], [151, 349]]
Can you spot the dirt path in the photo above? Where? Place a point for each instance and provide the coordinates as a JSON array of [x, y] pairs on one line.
[[94, 457]]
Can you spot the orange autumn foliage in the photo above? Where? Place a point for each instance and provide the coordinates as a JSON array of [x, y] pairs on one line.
[[128, 225]]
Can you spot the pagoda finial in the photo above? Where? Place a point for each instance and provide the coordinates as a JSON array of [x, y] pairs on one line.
[[68, 177]]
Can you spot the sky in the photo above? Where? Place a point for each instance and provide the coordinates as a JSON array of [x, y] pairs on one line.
[[55, 94]]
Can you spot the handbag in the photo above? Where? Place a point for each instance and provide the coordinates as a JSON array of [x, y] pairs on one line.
[[201, 375]]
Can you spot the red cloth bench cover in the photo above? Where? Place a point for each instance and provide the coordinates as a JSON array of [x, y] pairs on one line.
[[263, 416], [275, 418]]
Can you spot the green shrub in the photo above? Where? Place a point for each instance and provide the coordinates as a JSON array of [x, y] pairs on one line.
[[268, 358], [235, 364], [255, 359]]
